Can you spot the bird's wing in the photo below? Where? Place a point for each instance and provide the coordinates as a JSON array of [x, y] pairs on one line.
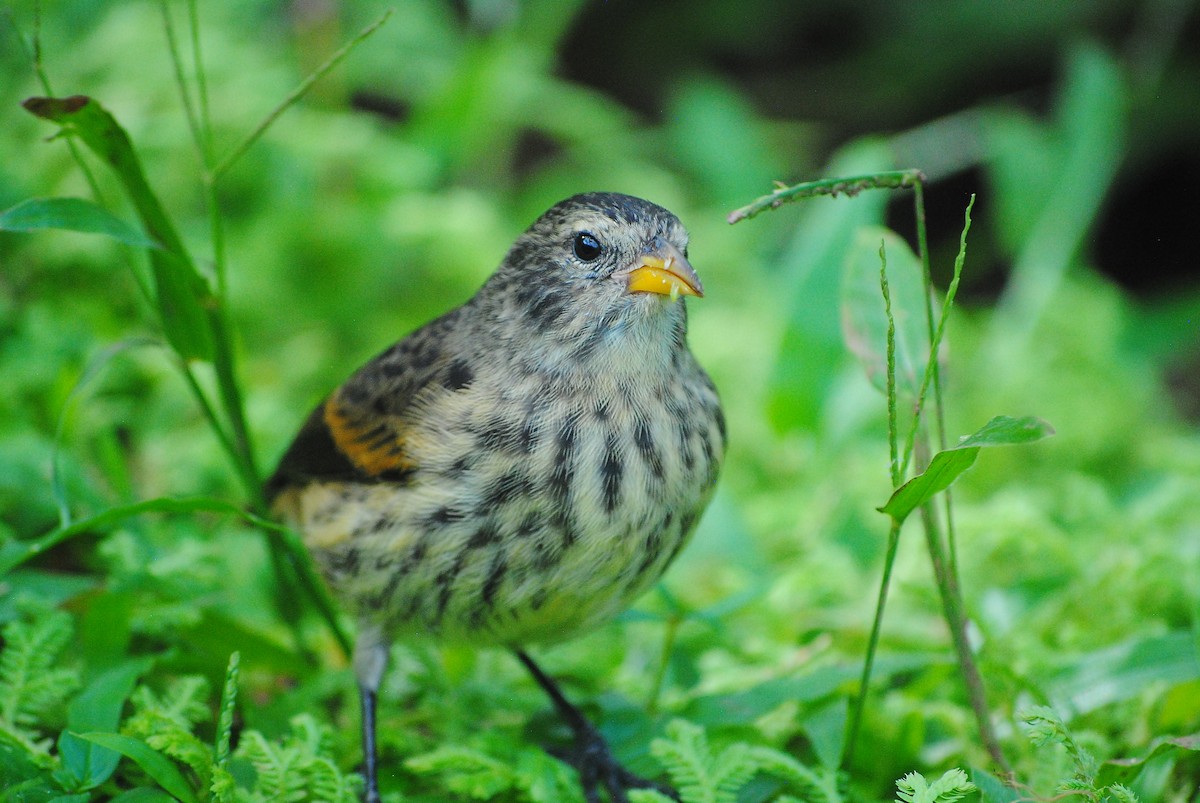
[[358, 432]]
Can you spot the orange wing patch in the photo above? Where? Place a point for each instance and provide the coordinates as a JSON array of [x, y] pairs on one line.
[[372, 443]]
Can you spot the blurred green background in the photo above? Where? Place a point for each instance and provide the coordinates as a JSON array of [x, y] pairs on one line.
[[394, 187]]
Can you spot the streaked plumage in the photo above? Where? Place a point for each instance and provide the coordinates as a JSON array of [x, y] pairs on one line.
[[520, 469]]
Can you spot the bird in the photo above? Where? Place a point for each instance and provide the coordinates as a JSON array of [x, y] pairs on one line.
[[519, 470]]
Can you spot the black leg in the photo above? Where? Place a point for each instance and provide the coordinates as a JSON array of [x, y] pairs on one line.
[[370, 771], [592, 756], [370, 660]]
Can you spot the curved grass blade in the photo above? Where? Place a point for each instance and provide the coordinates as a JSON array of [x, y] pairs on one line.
[[13, 552]]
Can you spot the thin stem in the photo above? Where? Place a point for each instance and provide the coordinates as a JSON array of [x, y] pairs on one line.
[[847, 185], [33, 51], [889, 560], [231, 399], [860, 702], [180, 79], [936, 344], [945, 561], [893, 445], [201, 83], [333, 61], [216, 224], [210, 415], [952, 606], [664, 659]]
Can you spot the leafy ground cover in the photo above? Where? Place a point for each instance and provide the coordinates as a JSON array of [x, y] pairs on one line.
[[157, 640]]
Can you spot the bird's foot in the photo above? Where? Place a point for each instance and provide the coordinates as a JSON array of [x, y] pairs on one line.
[[599, 769]]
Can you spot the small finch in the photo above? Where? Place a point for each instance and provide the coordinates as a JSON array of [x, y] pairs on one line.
[[520, 469]]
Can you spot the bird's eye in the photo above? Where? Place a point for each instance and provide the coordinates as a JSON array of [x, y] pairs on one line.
[[587, 247]]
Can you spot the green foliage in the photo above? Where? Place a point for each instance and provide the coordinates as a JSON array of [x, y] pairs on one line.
[[948, 464], [293, 252], [492, 769], [1045, 728], [166, 723], [32, 683], [702, 775], [297, 767], [952, 786]]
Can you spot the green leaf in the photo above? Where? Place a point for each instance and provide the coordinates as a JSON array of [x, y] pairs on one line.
[[155, 764], [184, 296], [739, 707], [97, 708], [1124, 671], [946, 466], [952, 786], [992, 789], [71, 214], [1125, 770]]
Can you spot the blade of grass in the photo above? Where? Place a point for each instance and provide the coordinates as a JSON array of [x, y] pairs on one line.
[[14, 552], [893, 540], [936, 336], [240, 149]]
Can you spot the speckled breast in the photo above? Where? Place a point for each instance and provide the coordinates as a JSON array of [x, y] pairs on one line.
[[539, 509]]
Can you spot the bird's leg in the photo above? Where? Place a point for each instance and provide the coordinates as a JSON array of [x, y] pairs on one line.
[[370, 659], [592, 756], [370, 773]]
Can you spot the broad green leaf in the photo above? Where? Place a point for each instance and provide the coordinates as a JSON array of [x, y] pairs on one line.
[[71, 214], [184, 296], [864, 323], [737, 708], [156, 765], [948, 465], [826, 731], [992, 789], [97, 708], [1124, 671], [1124, 770]]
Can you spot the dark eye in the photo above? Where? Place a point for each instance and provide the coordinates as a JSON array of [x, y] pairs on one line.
[[587, 247]]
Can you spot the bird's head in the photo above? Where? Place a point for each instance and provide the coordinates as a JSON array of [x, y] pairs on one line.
[[599, 266]]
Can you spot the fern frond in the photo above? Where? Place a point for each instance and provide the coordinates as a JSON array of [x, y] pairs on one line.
[[545, 779], [465, 770], [1119, 793], [166, 723], [699, 775], [952, 786], [31, 683], [1044, 726], [297, 768], [686, 758], [821, 785]]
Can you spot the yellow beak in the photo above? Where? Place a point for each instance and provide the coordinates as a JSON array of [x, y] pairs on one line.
[[664, 270]]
